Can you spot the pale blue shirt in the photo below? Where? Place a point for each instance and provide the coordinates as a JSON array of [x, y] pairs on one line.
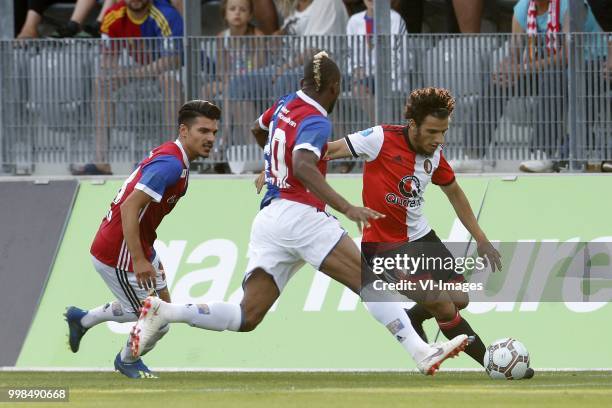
[[594, 47]]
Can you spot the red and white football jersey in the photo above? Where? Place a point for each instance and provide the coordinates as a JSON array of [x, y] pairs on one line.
[[294, 122], [164, 177], [394, 181]]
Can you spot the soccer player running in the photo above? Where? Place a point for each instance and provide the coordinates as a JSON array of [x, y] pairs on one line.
[[293, 227], [122, 251], [400, 162]]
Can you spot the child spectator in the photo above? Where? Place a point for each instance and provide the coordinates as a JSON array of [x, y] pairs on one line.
[[240, 79]]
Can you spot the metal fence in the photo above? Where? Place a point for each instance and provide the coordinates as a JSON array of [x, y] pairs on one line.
[[110, 101]]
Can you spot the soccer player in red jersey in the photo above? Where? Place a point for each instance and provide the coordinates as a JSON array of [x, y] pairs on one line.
[[122, 251], [400, 163], [293, 227]]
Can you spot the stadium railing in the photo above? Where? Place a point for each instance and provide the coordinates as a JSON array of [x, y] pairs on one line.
[[84, 100]]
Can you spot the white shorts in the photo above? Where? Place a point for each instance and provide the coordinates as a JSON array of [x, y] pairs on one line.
[[286, 234], [124, 286]]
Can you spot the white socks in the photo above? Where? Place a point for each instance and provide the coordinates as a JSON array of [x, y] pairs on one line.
[[217, 316], [394, 318], [110, 312]]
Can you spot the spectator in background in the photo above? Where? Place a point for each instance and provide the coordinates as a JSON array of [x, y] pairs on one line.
[[264, 12], [305, 18], [362, 65], [36, 8], [467, 14], [533, 69], [312, 17], [150, 60], [239, 79], [411, 11], [81, 11]]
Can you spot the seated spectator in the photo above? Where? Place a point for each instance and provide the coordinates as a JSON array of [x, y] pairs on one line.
[[532, 69], [264, 12], [362, 64], [81, 11], [305, 18], [240, 79], [468, 15], [36, 8], [150, 60]]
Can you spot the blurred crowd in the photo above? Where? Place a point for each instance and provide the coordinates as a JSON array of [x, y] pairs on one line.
[[233, 79], [280, 16]]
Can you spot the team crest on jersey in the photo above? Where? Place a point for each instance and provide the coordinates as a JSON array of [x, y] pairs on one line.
[[427, 166], [172, 199], [366, 132]]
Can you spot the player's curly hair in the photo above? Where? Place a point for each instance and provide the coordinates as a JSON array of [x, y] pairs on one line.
[[193, 109], [320, 71], [437, 102]]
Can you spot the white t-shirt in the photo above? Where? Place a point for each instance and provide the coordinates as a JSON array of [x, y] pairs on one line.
[[364, 56], [357, 26], [321, 17]]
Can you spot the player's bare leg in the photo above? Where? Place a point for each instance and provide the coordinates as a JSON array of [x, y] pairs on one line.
[[260, 293], [344, 265]]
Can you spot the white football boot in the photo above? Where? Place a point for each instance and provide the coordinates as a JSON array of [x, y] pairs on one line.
[[440, 352], [149, 322]]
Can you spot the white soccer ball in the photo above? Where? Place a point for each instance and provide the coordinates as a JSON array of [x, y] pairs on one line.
[[506, 359]]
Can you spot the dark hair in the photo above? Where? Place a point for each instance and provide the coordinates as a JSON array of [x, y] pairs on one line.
[[193, 109], [437, 102], [320, 72]]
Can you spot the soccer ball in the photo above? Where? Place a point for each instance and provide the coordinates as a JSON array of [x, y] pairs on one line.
[[506, 359]]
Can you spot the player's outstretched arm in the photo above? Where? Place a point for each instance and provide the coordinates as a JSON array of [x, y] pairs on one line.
[[462, 207], [130, 210], [305, 169], [338, 150]]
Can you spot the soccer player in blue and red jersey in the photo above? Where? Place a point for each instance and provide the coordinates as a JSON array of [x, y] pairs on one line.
[[293, 227], [122, 251]]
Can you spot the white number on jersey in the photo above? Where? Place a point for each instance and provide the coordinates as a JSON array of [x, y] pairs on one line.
[[278, 167]]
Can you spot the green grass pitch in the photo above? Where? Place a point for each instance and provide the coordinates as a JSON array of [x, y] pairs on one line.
[[316, 389]]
